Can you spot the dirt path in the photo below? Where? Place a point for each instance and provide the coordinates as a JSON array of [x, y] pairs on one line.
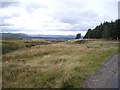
[[106, 77]]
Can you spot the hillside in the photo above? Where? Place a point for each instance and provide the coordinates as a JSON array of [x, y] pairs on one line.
[[39, 36], [67, 37], [54, 65], [14, 35]]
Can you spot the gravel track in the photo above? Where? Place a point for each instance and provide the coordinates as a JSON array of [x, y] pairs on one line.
[[106, 77]]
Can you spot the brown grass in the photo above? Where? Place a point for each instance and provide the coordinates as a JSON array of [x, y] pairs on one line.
[[58, 65]]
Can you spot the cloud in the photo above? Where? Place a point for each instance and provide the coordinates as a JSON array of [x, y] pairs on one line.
[[56, 16], [7, 4], [4, 24], [119, 10]]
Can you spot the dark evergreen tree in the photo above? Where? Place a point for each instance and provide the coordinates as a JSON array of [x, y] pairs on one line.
[[88, 34], [78, 36], [116, 32], [107, 30]]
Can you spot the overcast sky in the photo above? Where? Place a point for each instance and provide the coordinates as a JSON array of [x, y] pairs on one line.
[[56, 17]]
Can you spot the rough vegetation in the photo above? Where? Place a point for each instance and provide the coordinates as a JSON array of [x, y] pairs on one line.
[[54, 65], [13, 44]]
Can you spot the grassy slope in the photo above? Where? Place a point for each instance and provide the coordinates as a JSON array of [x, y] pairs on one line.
[[12, 44], [57, 65]]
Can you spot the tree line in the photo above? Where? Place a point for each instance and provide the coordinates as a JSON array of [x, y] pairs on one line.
[[106, 30]]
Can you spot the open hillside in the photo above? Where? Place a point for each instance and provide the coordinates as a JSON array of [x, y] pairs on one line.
[[54, 65]]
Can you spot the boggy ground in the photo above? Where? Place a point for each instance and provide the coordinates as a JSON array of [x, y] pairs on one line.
[[55, 65]]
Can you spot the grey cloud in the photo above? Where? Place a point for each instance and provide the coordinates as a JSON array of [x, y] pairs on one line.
[[73, 29], [70, 21], [73, 3], [119, 10], [10, 29], [80, 21], [71, 13], [88, 14], [68, 17], [6, 4], [7, 29], [9, 17], [5, 24], [75, 14], [5, 17], [31, 7]]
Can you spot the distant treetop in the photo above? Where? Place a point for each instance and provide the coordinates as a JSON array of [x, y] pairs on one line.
[[78, 36]]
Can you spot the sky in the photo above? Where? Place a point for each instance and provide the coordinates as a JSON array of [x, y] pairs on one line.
[[55, 17], [119, 9]]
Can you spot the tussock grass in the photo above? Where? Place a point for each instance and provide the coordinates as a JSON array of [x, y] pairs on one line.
[[57, 65]]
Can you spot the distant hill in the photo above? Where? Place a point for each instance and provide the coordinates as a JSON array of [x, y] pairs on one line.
[[53, 36], [14, 35], [22, 35]]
